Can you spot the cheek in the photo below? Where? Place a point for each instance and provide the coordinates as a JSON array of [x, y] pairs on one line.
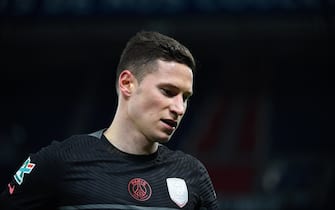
[[153, 105], [148, 104], [152, 100]]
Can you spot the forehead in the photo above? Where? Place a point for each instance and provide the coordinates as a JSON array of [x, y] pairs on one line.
[[173, 74]]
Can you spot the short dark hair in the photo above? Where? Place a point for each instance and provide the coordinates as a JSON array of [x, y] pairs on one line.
[[148, 46]]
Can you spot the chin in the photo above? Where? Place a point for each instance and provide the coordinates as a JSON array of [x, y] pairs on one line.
[[163, 140]]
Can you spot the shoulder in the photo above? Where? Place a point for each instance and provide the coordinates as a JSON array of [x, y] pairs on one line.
[[52, 160], [176, 154], [182, 158], [58, 150], [78, 142]]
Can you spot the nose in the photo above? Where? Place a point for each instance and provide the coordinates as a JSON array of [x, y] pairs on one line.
[[178, 106]]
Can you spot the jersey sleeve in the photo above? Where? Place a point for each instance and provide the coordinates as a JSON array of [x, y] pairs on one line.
[[207, 192], [34, 184]]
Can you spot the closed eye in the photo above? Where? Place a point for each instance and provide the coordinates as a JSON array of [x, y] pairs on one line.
[[167, 92], [174, 91]]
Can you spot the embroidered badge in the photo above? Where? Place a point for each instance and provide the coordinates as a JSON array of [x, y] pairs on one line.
[[139, 189], [178, 191], [26, 168]]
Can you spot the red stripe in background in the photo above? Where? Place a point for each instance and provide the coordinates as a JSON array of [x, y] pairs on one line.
[[231, 179], [248, 129], [211, 136]]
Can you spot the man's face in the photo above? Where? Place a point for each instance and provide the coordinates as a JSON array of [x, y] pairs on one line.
[[160, 100]]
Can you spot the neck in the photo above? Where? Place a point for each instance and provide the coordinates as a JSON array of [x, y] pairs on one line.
[[127, 139]]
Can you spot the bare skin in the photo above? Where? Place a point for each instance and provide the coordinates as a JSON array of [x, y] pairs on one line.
[[149, 112]]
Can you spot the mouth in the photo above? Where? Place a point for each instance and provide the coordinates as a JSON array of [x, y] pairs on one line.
[[173, 124]]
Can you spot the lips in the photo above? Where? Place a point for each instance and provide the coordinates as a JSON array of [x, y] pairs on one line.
[[171, 123]]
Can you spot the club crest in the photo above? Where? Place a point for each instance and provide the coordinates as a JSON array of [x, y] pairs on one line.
[[178, 191], [139, 189]]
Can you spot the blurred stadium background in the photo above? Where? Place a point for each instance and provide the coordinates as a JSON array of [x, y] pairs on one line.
[[262, 115]]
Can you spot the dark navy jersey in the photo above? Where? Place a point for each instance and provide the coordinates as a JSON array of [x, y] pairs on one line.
[[88, 172]]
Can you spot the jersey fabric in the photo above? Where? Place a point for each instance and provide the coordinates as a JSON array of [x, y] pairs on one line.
[[88, 172]]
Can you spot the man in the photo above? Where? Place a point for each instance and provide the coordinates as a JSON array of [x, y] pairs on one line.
[[125, 166]]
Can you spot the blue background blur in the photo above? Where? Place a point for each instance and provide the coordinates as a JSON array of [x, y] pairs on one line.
[[261, 118]]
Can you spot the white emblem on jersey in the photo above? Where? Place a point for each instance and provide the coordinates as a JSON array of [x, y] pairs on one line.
[[178, 191]]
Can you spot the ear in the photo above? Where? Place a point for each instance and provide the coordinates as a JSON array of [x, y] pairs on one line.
[[126, 82]]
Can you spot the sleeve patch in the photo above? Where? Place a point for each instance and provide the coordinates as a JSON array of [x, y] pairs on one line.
[[26, 168]]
